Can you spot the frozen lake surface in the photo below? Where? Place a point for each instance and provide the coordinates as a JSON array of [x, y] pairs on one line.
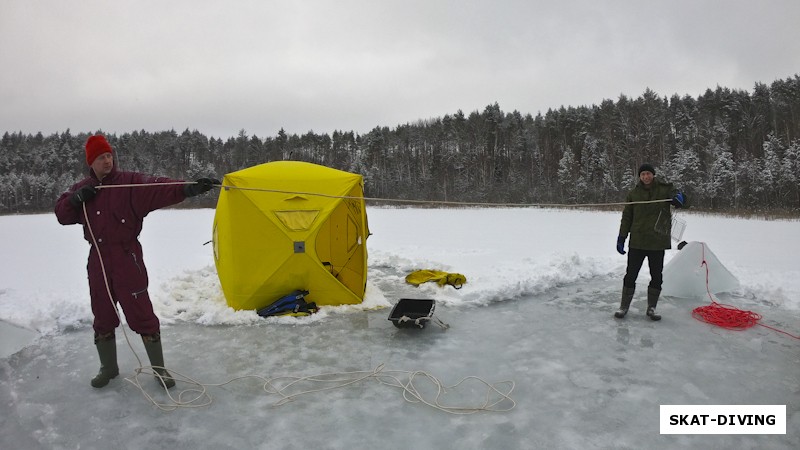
[[536, 311]]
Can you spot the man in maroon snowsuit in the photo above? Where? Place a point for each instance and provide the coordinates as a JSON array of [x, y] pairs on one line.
[[115, 262]]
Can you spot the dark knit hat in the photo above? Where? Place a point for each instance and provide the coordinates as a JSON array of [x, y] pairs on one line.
[[646, 168], [95, 146]]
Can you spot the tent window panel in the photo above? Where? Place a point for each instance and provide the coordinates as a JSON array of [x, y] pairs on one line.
[[338, 239], [300, 220]]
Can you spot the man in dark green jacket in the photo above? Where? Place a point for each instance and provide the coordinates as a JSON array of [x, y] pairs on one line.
[[648, 219]]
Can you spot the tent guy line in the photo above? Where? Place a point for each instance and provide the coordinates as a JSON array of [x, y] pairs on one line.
[[410, 393], [396, 200]]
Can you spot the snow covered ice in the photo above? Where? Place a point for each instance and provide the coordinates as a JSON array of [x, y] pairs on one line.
[[537, 310]]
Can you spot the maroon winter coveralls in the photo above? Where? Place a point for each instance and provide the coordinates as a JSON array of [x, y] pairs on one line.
[[116, 216]]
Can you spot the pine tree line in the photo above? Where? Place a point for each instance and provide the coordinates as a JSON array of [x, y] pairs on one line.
[[730, 150]]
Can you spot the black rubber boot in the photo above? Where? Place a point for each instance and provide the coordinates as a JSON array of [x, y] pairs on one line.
[[152, 345], [652, 301], [625, 303], [107, 350]]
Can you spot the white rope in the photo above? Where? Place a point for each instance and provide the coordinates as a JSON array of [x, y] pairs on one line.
[[419, 321], [497, 396], [198, 396], [165, 183], [116, 308], [440, 202], [397, 200]]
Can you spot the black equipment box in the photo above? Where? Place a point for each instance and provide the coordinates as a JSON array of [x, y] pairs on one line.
[[412, 313]]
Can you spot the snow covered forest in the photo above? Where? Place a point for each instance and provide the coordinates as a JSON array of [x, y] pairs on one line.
[[730, 150]]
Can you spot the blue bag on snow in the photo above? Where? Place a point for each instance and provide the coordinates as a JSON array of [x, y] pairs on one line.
[[293, 304]]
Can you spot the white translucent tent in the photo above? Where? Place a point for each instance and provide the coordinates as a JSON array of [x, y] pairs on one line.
[[687, 276]]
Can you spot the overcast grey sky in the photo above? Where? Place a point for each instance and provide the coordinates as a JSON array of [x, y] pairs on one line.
[[222, 66]]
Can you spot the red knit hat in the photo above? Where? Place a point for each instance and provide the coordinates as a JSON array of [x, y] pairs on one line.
[[95, 146]]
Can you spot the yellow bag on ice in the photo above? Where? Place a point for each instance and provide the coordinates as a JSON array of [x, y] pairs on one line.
[[441, 278]]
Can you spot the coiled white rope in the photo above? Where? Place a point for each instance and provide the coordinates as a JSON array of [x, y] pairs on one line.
[[288, 388], [198, 396]]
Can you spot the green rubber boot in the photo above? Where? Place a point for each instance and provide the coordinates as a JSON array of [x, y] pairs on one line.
[[625, 303], [107, 350], [152, 345], [652, 301]]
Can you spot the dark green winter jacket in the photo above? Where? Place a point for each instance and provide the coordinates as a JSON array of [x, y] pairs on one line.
[[649, 224]]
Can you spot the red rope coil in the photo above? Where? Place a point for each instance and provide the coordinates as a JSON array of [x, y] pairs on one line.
[[727, 316]]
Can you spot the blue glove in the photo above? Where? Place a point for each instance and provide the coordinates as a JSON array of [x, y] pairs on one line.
[[678, 200], [621, 245]]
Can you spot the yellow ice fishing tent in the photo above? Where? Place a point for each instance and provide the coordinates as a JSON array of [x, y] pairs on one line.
[[283, 226]]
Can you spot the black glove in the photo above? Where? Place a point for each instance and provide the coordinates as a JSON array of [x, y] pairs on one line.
[[621, 245], [83, 195], [200, 186], [678, 200]]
